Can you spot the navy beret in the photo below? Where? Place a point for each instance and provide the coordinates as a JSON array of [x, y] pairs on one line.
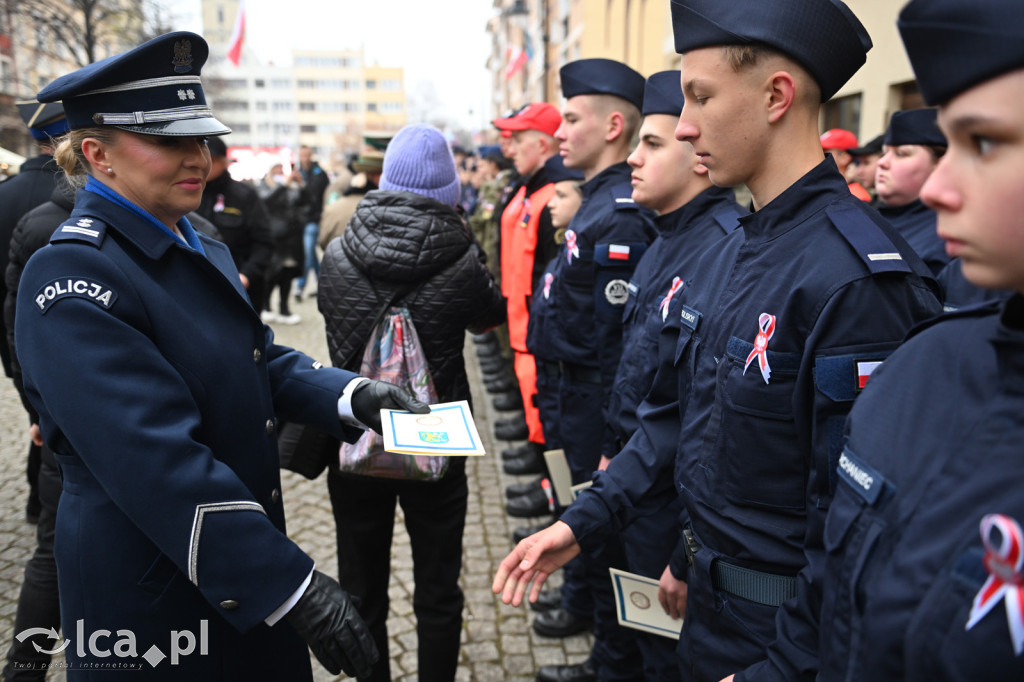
[[663, 94], [556, 171], [152, 89], [44, 121], [916, 126], [955, 45], [873, 146], [602, 77], [823, 36]]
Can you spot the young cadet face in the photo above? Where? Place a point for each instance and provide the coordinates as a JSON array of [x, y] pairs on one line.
[[564, 203], [582, 133], [977, 188], [663, 166], [901, 173], [161, 174], [723, 117]]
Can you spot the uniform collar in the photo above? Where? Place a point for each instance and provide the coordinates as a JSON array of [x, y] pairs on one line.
[[140, 228], [687, 214], [613, 174], [916, 206], [818, 188]]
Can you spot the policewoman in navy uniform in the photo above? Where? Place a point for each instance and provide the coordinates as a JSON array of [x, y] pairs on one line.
[[159, 390], [693, 216], [921, 572], [769, 341]]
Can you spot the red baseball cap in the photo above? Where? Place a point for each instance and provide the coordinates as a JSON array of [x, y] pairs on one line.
[[539, 116], [837, 138]]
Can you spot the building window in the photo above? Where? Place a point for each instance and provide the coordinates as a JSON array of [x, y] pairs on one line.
[[371, 85], [307, 129], [261, 106], [391, 85], [232, 105], [843, 112], [236, 83], [280, 83], [308, 84], [307, 106], [909, 96], [371, 106], [260, 83], [240, 128], [391, 107]]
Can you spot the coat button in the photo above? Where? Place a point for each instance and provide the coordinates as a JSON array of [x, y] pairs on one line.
[[270, 427], [275, 495], [257, 355], [229, 604]]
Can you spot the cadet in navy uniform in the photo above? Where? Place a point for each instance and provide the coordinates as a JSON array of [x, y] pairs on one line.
[[912, 148], [588, 291], [693, 215], [766, 345], [158, 390], [920, 576]]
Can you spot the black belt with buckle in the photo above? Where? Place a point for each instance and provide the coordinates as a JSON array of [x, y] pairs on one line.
[[581, 374], [769, 589]]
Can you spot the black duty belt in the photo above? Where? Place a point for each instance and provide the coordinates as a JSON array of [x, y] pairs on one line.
[[769, 589], [581, 374]]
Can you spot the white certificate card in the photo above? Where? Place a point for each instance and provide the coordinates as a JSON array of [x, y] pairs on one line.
[[448, 430], [637, 606]]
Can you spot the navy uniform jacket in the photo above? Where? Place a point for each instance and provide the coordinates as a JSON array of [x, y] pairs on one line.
[[590, 275], [683, 235], [158, 389], [934, 447], [833, 288], [916, 223], [957, 292]]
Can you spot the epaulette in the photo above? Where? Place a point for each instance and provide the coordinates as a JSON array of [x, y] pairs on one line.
[[81, 229], [623, 195], [867, 239], [728, 217], [984, 309]]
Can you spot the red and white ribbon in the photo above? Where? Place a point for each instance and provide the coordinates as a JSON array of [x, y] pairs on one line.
[[677, 282], [548, 279], [766, 325], [1004, 559], [570, 245]]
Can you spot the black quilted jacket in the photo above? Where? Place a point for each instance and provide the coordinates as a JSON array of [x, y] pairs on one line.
[[415, 250]]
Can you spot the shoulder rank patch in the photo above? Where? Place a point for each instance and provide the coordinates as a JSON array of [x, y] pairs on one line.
[[623, 195], [867, 239], [81, 229], [74, 287]]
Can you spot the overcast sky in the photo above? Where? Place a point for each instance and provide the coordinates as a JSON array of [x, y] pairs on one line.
[[440, 45]]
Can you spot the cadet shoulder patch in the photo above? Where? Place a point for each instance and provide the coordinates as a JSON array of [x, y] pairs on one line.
[[867, 239], [623, 196], [74, 287], [81, 229]]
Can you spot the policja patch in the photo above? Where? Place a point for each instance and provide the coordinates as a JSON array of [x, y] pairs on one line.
[[74, 287]]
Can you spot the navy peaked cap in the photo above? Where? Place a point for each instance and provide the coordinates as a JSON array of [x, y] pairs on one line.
[[602, 77], [43, 120], [955, 45], [663, 94], [152, 89], [556, 171], [916, 126], [823, 36]]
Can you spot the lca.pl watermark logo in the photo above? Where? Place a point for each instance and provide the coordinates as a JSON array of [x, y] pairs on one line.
[[103, 644]]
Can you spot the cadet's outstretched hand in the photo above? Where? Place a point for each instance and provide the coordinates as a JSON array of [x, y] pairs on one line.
[[326, 618], [534, 559], [672, 594], [371, 396]]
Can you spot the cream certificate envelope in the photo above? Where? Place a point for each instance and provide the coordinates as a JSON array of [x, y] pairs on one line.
[[637, 606], [561, 479], [579, 487], [447, 431]]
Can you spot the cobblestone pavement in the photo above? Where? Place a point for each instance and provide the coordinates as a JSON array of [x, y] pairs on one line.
[[497, 642]]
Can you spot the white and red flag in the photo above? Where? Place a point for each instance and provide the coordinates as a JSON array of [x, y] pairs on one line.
[[237, 36]]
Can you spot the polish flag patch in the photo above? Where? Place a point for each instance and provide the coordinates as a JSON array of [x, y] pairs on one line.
[[864, 370], [618, 252]]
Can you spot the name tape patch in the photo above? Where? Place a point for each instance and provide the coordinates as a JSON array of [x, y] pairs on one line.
[[74, 287], [690, 317], [865, 480]]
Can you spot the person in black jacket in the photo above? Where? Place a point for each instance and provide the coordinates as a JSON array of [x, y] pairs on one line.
[[407, 243], [314, 183], [242, 219], [283, 200]]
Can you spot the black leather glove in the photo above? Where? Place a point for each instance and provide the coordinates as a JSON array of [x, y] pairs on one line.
[[326, 618], [371, 396]]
